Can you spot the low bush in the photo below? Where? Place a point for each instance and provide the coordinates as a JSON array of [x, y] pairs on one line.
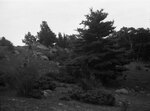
[[62, 76], [26, 79], [98, 97], [44, 83]]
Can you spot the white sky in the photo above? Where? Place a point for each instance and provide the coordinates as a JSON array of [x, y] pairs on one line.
[[17, 17]]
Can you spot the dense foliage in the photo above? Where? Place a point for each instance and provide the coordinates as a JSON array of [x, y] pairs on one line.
[[99, 97], [66, 41], [29, 39], [46, 36], [137, 41], [98, 55], [6, 43]]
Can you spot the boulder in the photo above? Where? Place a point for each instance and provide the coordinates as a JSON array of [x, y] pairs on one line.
[[40, 46], [43, 57], [47, 93], [122, 91]]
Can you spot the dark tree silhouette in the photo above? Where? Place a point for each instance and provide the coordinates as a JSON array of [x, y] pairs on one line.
[[135, 41], [141, 45], [46, 36], [66, 41], [62, 41], [98, 55], [29, 39], [5, 42]]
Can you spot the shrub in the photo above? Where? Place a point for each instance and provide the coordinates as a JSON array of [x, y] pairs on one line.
[[99, 97], [61, 75], [44, 83], [26, 78], [23, 71]]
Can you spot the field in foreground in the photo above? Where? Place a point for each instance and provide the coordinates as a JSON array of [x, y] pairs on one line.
[[138, 97], [9, 102]]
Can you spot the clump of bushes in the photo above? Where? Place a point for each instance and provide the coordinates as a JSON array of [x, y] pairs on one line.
[[98, 97], [61, 76], [22, 73], [31, 84], [26, 79], [44, 83]]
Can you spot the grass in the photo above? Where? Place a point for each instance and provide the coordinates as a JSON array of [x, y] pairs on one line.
[[137, 79]]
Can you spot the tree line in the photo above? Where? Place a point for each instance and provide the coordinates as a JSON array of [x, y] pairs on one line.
[[135, 41], [98, 51]]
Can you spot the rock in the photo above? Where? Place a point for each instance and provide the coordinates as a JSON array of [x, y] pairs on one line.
[[37, 53], [60, 104], [122, 91], [47, 93], [43, 57], [42, 47]]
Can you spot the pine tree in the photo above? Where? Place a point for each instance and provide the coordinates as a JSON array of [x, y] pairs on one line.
[[7, 43], [62, 40], [29, 39], [46, 36], [98, 54]]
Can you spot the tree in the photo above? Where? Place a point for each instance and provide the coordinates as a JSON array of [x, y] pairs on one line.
[[62, 41], [125, 37], [98, 55], [141, 44], [46, 36], [5, 42], [135, 41], [29, 39], [66, 41], [72, 40], [95, 28], [5, 47]]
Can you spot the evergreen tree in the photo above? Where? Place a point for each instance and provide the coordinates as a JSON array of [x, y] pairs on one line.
[[141, 44], [135, 41], [46, 36], [59, 40], [66, 41], [29, 39], [5, 42], [62, 41], [125, 37], [98, 55]]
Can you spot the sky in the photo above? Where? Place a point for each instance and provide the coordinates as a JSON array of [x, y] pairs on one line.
[[17, 17]]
